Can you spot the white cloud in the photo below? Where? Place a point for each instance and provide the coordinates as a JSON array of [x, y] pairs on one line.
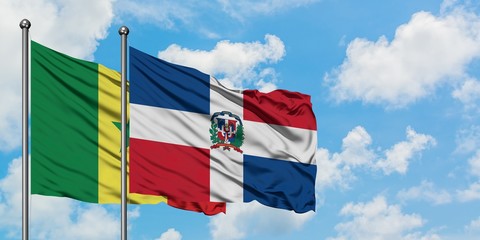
[[170, 234], [474, 163], [70, 26], [425, 191], [357, 152], [337, 168], [398, 157], [411, 66], [164, 13], [243, 68], [420, 236], [448, 5], [267, 80], [73, 222], [11, 196], [73, 27], [470, 194], [263, 86], [134, 213], [468, 94], [473, 226], [244, 219], [197, 15], [378, 220], [471, 231], [468, 140], [52, 217], [242, 9], [331, 171]]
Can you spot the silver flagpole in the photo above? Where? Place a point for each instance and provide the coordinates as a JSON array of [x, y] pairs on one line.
[[123, 31], [25, 26]]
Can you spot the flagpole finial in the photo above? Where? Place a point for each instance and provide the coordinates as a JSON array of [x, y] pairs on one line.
[[123, 30], [25, 24]]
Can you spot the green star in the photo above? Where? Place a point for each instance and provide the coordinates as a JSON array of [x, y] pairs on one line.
[[119, 126]]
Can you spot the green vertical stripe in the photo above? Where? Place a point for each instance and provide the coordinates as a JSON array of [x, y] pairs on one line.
[[64, 125]]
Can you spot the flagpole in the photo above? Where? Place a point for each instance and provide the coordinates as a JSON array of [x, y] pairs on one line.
[[123, 31], [25, 26]]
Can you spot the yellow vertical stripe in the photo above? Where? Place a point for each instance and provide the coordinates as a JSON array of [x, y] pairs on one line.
[[109, 138]]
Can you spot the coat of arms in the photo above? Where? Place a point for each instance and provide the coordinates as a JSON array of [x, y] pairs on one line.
[[226, 131]]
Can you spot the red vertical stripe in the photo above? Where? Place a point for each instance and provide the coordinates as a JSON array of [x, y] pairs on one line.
[[178, 172], [279, 107]]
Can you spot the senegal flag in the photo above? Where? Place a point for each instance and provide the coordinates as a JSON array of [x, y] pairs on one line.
[[75, 132]]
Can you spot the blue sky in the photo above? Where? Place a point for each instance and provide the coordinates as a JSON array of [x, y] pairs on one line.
[[395, 88]]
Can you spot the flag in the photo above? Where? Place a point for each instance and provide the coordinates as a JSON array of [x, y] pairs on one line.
[[76, 133], [193, 139]]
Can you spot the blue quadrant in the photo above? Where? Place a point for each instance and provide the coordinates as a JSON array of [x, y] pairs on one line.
[[156, 83], [279, 184]]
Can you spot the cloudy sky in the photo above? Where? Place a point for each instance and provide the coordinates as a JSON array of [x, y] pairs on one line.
[[395, 88]]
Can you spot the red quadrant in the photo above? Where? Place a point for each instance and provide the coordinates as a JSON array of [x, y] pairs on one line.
[[178, 172], [279, 107]]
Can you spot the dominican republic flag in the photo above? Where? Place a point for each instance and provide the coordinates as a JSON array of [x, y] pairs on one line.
[[194, 140]]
